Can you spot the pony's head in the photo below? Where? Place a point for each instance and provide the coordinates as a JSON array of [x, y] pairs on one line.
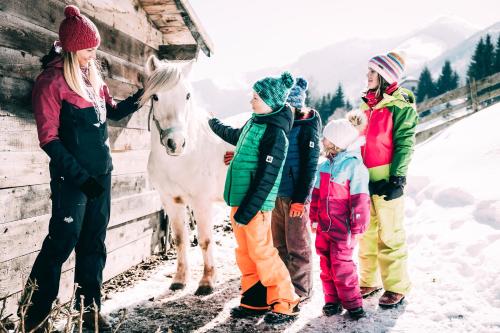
[[167, 88]]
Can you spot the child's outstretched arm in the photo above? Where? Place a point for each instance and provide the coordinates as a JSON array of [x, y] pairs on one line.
[[272, 152], [360, 198], [225, 132]]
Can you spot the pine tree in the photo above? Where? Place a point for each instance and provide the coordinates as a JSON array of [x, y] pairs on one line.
[[338, 100], [488, 57], [476, 68], [323, 107], [448, 80], [348, 105], [308, 100], [496, 63], [426, 87], [455, 80]]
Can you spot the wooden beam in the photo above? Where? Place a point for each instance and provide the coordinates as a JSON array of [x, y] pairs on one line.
[[24, 138], [178, 22], [23, 202], [31, 168], [178, 52], [26, 236], [193, 23], [441, 99]]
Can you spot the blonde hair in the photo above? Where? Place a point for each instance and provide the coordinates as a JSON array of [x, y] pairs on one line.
[[74, 76]]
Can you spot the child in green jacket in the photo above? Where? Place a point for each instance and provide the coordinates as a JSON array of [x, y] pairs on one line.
[[251, 188]]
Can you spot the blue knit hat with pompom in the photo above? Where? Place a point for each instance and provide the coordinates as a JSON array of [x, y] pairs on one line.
[[297, 95], [274, 90]]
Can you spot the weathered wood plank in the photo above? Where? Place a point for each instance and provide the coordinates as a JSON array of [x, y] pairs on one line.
[[17, 203], [31, 168], [22, 65], [118, 261], [444, 98], [17, 269], [18, 64], [15, 118], [176, 35], [488, 96], [26, 237], [26, 140], [126, 16], [32, 27], [487, 82], [15, 91], [178, 52], [446, 111]]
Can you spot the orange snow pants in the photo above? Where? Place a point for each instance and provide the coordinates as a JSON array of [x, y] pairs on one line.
[[265, 281]]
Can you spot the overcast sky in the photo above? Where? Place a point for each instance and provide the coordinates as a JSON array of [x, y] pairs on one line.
[[250, 35]]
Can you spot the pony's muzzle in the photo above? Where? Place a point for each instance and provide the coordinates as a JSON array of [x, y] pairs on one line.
[[174, 144]]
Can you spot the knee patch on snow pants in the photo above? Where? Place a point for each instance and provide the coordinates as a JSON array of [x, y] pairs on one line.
[[383, 247]]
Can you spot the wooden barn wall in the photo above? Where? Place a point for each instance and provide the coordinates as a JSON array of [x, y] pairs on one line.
[[27, 30]]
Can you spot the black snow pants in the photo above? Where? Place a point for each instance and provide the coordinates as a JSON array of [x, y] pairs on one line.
[[79, 224]]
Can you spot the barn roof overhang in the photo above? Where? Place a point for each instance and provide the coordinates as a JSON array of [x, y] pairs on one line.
[[178, 23]]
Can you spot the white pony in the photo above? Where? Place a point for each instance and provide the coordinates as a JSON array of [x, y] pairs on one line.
[[185, 164]]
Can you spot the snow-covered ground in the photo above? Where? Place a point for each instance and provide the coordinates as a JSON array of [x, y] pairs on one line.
[[453, 230]]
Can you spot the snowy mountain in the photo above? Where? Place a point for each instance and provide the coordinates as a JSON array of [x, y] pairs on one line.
[[459, 55], [346, 62], [452, 220]]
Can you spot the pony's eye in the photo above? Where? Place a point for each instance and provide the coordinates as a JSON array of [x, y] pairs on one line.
[[188, 96], [155, 97]]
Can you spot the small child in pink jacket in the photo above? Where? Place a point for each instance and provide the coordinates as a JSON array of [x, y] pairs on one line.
[[341, 207]]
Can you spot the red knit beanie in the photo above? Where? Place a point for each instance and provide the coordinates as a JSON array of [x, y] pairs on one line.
[[77, 32]]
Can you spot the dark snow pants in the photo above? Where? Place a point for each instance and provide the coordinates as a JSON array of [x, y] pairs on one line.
[[293, 241], [79, 224]]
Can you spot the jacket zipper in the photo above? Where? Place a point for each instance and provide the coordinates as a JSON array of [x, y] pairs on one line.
[[363, 153], [328, 198], [231, 169]]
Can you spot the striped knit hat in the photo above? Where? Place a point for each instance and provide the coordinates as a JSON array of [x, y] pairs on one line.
[[390, 66], [297, 95], [274, 90]]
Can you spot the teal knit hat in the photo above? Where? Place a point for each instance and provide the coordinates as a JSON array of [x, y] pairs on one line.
[[274, 90]]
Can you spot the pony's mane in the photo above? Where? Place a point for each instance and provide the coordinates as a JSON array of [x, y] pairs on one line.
[[163, 78]]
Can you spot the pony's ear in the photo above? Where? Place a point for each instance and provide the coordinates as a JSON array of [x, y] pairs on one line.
[[151, 65], [186, 69]]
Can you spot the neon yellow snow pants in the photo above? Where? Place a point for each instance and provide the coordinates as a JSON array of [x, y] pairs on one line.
[[383, 246]]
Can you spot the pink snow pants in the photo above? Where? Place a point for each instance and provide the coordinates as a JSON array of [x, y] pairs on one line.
[[338, 272]]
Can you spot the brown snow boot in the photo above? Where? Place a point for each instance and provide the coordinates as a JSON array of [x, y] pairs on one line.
[[369, 291], [89, 322], [390, 300]]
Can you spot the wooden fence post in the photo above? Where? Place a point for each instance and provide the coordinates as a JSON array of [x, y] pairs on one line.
[[473, 95]]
